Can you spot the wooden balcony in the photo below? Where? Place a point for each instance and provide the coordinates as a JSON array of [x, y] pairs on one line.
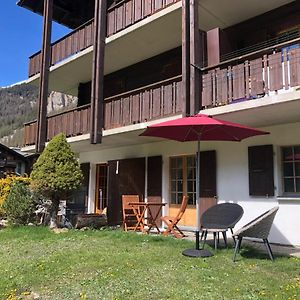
[[264, 72], [155, 101], [72, 122], [128, 12], [120, 16]]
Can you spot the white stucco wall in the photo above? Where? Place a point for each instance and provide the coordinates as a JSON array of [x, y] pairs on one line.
[[232, 175]]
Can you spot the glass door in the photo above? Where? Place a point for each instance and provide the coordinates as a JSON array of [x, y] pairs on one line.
[[101, 188]]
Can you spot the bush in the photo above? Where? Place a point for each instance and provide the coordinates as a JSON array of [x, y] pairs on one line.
[[5, 186], [20, 204], [57, 169], [56, 172]]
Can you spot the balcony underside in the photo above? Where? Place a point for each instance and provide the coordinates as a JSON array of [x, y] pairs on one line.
[[225, 13], [269, 110], [213, 13]]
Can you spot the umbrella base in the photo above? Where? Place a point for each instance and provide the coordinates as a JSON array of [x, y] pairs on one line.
[[197, 253]]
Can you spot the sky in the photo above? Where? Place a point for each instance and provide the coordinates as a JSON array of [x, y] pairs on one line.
[[20, 37]]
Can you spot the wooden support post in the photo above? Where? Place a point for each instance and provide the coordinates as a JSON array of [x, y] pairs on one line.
[[195, 59], [186, 57], [97, 95], [41, 136]]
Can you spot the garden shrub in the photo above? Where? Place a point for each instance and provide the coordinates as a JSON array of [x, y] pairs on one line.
[[20, 204], [6, 185]]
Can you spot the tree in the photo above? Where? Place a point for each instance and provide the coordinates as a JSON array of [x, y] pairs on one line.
[[56, 172]]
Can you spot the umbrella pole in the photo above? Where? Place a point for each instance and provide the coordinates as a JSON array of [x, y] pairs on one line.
[[198, 196], [197, 252]]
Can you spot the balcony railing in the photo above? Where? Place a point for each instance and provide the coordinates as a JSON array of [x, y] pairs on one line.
[[119, 17], [128, 12], [154, 101], [252, 76], [74, 42], [72, 122], [147, 103]]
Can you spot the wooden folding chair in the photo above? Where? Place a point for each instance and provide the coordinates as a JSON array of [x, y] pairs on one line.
[[130, 215], [172, 222]]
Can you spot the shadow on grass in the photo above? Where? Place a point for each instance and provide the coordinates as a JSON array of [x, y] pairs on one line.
[[246, 251], [254, 253]]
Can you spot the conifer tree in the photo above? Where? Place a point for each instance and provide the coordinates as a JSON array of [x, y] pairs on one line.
[[56, 172]]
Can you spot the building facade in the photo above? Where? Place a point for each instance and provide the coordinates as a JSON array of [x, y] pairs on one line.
[[14, 162], [133, 63]]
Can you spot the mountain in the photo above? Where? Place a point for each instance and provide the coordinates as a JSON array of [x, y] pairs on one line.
[[18, 105]]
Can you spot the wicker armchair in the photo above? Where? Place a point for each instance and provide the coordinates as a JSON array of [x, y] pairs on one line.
[[218, 219], [259, 228]]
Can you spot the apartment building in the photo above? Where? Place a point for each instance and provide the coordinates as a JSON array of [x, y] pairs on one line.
[[133, 63]]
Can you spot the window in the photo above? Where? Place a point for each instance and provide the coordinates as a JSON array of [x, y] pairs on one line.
[[183, 177], [291, 169], [261, 170]]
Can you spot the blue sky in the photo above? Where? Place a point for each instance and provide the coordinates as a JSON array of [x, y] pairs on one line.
[[20, 37]]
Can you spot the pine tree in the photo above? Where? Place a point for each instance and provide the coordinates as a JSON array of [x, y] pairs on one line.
[[56, 171]]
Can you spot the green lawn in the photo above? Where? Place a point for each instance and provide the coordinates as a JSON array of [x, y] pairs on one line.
[[116, 265]]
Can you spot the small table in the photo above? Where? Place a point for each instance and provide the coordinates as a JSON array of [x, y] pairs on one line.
[[140, 208]]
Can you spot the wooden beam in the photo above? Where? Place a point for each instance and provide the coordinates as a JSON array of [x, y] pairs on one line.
[[195, 59], [41, 136], [186, 57], [97, 94]]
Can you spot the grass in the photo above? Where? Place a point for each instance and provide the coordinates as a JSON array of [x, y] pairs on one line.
[[116, 265]]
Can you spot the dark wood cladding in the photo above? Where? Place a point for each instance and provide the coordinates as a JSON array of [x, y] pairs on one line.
[[259, 29], [119, 17], [129, 12], [238, 80], [154, 101], [144, 104]]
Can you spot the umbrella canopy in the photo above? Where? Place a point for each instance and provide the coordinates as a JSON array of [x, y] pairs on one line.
[[200, 128], [203, 127]]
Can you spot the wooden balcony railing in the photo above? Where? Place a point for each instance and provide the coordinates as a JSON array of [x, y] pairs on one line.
[[71, 122], [74, 42], [253, 75], [119, 17], [150, 102], [128, 12], [144, 104]]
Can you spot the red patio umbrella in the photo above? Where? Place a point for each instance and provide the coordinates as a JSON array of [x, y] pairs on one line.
[[200, 128]]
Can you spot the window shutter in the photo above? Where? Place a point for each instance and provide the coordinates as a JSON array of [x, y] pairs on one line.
[[125, 177], [114, 208], [261, 170], [154, 182], [208, 174]]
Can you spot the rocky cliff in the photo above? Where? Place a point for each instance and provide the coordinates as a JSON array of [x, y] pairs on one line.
[[18, 105]]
